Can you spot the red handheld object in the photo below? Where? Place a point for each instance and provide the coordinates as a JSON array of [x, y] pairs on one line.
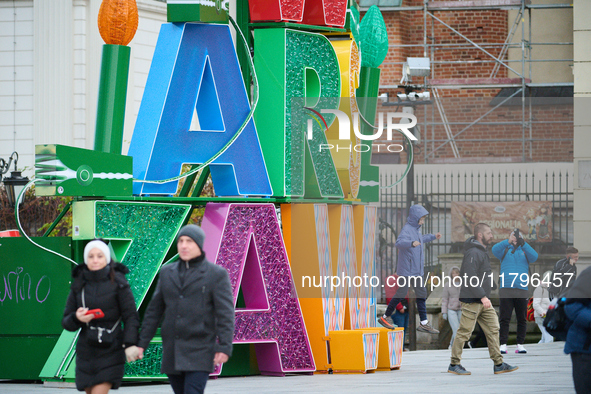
[[96, 312]]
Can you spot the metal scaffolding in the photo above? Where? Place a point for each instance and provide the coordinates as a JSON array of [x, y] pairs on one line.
[[522, 83]]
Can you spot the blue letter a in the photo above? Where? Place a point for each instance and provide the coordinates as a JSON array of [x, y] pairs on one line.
[[195, 68]]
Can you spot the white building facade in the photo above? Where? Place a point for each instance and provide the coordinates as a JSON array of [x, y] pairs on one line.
[[50, 56]]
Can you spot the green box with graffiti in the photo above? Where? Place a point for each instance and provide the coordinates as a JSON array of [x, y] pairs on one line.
[[33, 292]]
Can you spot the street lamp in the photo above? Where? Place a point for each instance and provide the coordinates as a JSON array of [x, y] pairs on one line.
[[15, 183]]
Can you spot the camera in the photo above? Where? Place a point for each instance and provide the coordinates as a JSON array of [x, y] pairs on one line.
[[519, 239]]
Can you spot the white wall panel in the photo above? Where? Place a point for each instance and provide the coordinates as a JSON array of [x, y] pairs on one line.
[[16, 80], [582, 88], [55, 48], [53, 72], [93, 50]]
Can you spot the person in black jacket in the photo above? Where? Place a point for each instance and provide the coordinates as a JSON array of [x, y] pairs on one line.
[[564, 273], [101, 284], [476, 306], [193, 300]]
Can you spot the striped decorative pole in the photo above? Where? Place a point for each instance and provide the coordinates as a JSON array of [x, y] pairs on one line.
[[117, 22]]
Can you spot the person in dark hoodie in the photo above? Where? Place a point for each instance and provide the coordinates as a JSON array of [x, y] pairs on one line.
[[578, 339], [476, 306], [193, 300], [411, 268], [102, 344]]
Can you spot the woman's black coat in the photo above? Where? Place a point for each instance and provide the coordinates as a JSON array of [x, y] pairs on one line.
[[114, 297]]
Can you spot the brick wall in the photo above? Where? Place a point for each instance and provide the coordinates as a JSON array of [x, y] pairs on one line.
[[497, 137]]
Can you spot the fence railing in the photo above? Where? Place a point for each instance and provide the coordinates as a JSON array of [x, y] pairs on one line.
[[437, 191]]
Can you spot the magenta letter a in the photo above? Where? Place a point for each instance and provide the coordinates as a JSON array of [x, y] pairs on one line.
[[246, 240]]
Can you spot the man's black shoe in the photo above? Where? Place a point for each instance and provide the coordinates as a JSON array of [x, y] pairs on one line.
[[458, 370], [504, 367]]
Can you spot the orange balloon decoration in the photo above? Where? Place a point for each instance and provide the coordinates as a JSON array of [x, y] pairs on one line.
[[117, 21]]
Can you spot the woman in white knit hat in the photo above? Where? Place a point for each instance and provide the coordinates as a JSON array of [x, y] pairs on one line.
[[100, 300]]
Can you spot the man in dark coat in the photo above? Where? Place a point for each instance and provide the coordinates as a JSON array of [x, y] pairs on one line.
[[193, 299], [476, 306]]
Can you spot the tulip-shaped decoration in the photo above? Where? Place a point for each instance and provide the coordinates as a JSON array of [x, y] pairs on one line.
[[373, 38], [117, 21], [373, 45]]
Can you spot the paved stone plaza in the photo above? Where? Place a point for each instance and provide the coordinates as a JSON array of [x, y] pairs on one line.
[[545, 369]]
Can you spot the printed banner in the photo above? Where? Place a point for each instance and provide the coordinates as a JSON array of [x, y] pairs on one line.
[[532, 218]]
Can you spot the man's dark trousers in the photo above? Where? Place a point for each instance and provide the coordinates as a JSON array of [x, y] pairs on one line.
[[189, 382]]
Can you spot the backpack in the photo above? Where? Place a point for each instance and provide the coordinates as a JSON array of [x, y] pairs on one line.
[[553, 289], [560, 270], [556, 322], [530, 310]]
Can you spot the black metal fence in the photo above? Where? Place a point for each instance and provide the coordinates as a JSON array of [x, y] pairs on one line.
[[437, 191]]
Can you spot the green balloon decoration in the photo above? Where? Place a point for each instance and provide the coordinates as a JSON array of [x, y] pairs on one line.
[[373, 38]]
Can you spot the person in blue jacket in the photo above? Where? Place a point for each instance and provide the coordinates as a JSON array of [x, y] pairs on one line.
[[578, 339], [515, 255], [411, 267]]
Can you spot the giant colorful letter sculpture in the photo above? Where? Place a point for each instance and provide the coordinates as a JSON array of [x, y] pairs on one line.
[[140, 234], [246, 240], [292, 64], [195, 71], [347, 155], [325, 12], [328, 242], [276, 10], [195, 68], [310, 12]]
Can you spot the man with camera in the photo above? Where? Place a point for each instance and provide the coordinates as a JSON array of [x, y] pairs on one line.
[[515, 255]]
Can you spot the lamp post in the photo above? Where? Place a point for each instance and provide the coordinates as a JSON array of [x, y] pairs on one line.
[[15, 183], [409, 100]]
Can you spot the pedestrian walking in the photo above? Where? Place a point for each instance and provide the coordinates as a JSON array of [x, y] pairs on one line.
[[400, 315], [193, 300], [100, 300], [564, 273], [411, 268], [540, 304], [451, 309], [578, 339], [476, 305]]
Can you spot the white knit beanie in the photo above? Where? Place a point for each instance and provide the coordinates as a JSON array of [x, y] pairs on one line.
[[103, 247]]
